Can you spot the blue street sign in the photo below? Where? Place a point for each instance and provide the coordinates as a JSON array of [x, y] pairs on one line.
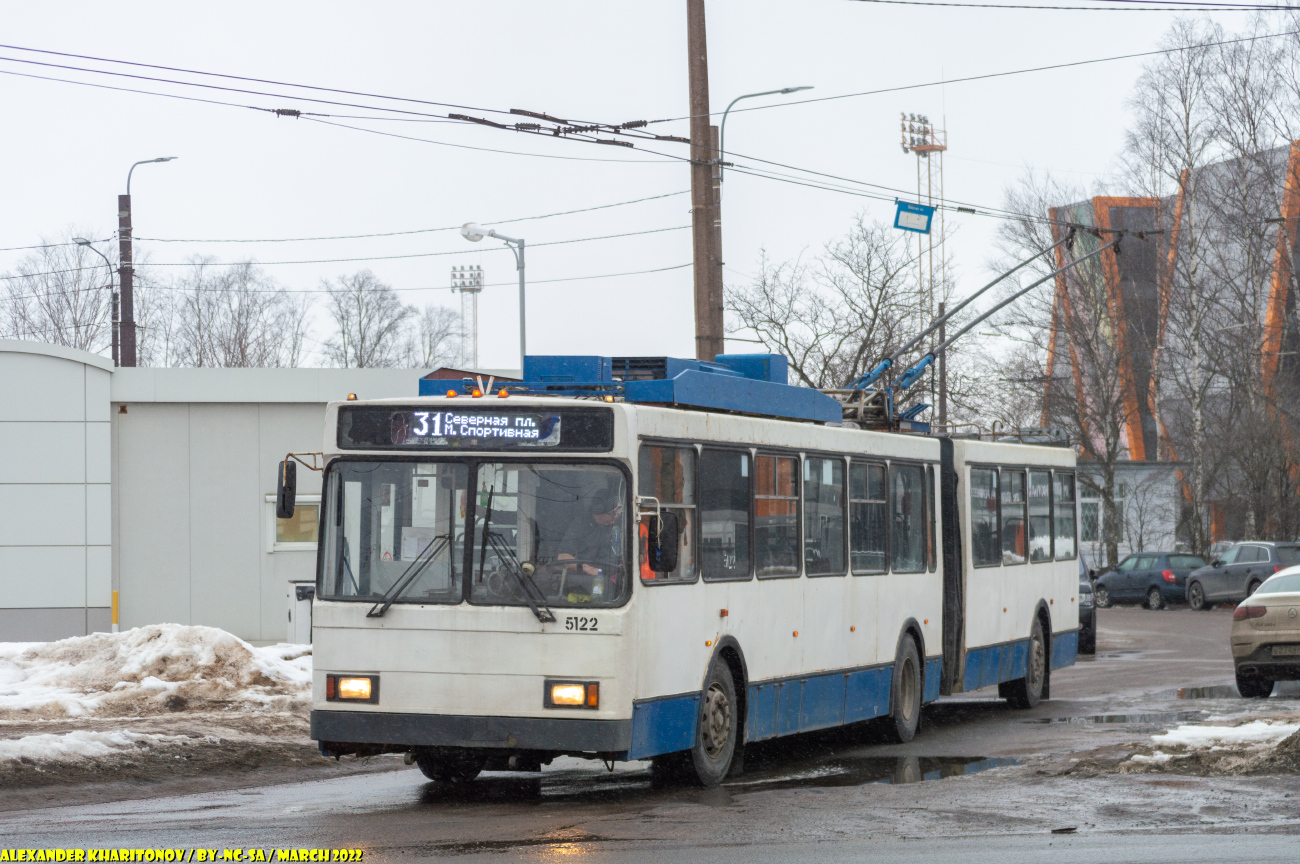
[[913, 217]]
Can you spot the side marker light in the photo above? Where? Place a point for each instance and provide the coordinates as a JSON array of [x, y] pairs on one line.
[[477, 393], [503, 394], [352, 397], [452, 394]]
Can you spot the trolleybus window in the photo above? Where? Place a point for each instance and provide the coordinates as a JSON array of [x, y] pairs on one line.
[[568, 522], [823, 507], [1063, 513], [931, 494], [724, 514], [907, 543], [391, 523], [668, 474], [984, 547], [868, 514], [1040, 516], [776, 516], [1013, 518]]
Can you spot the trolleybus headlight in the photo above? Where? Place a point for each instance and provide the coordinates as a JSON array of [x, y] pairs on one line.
[[352, 688], [572, 694]]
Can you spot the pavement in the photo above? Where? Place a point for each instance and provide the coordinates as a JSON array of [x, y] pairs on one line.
[[980, 780]]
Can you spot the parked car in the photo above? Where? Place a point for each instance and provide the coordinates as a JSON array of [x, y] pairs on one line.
[[1087, 618], [1150, 578], [1236, 573], [1266, 635]]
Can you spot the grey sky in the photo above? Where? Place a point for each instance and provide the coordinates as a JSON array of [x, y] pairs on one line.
[[245, 174]]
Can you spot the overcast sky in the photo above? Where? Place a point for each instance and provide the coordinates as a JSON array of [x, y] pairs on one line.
[[247, 174]]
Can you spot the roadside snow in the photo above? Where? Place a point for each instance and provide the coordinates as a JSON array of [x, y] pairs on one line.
[[1258, 733], [79, 745], [150, 670]]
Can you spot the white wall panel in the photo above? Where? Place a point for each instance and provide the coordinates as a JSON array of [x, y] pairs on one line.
[[99, 452], [99, 576], [42, 576], [38, 387], [99, 514], [34, 514], [98, 395], [36, 452]]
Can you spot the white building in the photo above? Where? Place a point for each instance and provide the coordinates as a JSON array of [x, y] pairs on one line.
[[157, 486]]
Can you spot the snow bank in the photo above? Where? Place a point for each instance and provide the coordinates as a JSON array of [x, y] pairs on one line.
[[150, 670], [79, 745], [1258, 733]]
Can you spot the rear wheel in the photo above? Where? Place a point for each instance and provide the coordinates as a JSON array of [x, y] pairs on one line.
[[1196, 597], [445, 770], [1155, 600], [1088, 641], [715, 739], [1254, 586], [1101, 597], [905, 693], [1028, 691], [1254, 687]]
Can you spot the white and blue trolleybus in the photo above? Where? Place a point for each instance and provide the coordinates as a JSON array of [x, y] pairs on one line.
[[650, 558]]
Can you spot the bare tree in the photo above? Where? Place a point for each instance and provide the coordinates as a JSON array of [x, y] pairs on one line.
[[236, 315], [60, 293], [838, 315], [371, 322], [437, 337]]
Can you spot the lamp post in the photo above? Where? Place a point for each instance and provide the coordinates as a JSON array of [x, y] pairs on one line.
[[82, 241], [722, 127], [474, 232], [126, 273]]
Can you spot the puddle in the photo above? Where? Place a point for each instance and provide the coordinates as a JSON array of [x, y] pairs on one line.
[[1153, 719], [873, 769], [1281, 690]]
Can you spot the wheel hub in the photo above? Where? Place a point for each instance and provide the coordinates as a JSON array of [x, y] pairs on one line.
[[716, 720], [1037, 663]]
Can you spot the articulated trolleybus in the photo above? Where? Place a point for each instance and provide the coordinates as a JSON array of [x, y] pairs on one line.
[[649, 558]]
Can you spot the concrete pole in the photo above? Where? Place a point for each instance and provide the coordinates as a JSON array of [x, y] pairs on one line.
[[708, 304]]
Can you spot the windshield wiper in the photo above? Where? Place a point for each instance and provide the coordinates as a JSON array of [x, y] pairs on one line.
[[534, 596], [408, 578]]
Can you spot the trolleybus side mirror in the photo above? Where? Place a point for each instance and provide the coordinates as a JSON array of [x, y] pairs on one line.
[[662, 543], [286, 489]]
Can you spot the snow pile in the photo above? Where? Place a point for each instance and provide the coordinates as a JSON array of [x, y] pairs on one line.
[[81, 744], [150, 670], [1256, 747]]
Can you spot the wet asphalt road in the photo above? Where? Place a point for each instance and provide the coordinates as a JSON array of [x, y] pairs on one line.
[[836, 796]]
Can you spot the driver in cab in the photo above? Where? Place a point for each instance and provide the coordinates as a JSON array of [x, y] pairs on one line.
[[593, 538]]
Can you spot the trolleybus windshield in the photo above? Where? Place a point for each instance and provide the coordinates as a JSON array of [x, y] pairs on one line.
[[408, 532]]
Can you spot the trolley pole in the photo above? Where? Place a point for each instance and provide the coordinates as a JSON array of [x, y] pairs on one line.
[[708, 283]]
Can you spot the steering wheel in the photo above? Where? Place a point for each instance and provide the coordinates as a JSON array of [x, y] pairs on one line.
[[560, 565]]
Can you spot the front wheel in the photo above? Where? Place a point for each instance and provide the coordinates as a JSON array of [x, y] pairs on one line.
[[1155, 601], [1196, 598], [715, 740], [905, 693], [1254, 687], [1028, 691], [1101, 597]]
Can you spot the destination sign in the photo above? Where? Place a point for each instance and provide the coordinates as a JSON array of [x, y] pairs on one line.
[[367, 427]]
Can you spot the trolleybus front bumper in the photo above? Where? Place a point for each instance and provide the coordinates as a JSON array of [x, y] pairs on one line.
[[402, 731]]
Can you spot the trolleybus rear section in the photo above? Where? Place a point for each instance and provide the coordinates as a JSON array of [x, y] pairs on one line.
[[489, 597]]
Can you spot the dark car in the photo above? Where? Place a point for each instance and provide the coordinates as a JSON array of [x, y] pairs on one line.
[[1237, 572], [1150, 578], [1087, 619]]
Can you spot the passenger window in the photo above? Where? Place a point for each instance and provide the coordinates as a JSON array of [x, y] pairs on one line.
[[1230, 557], [1063, 514], [1014, 546], [776, 516], [1251, 555], [985, 550], [823, 509], [1040, 516], [907, 539], [1128, 564], [868, 514], [1146, 562], [668, 474], [724, 514]]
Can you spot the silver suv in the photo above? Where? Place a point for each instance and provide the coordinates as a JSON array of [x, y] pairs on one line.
[[1237, 572]]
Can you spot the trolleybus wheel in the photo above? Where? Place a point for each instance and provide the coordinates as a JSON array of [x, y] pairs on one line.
[[905, 693], [442, 769], [715, 740], [1028, 691]]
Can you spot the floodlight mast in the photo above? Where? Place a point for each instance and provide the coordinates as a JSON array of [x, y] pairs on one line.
[[911, 375], [888, 363]]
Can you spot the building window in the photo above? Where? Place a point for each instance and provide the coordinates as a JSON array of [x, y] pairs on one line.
[[298, 533]]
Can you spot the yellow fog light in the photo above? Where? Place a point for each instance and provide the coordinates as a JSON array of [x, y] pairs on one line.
[[352, 688], [572, 694]]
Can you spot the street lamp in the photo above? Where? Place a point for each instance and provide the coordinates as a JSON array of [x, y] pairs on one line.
[[474, 232], [82, 241], [126, 273], [722, 129]]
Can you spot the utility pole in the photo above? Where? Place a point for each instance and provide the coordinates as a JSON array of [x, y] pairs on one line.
[[708, 281], [715, 272], [943, 373], [125, 273]]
